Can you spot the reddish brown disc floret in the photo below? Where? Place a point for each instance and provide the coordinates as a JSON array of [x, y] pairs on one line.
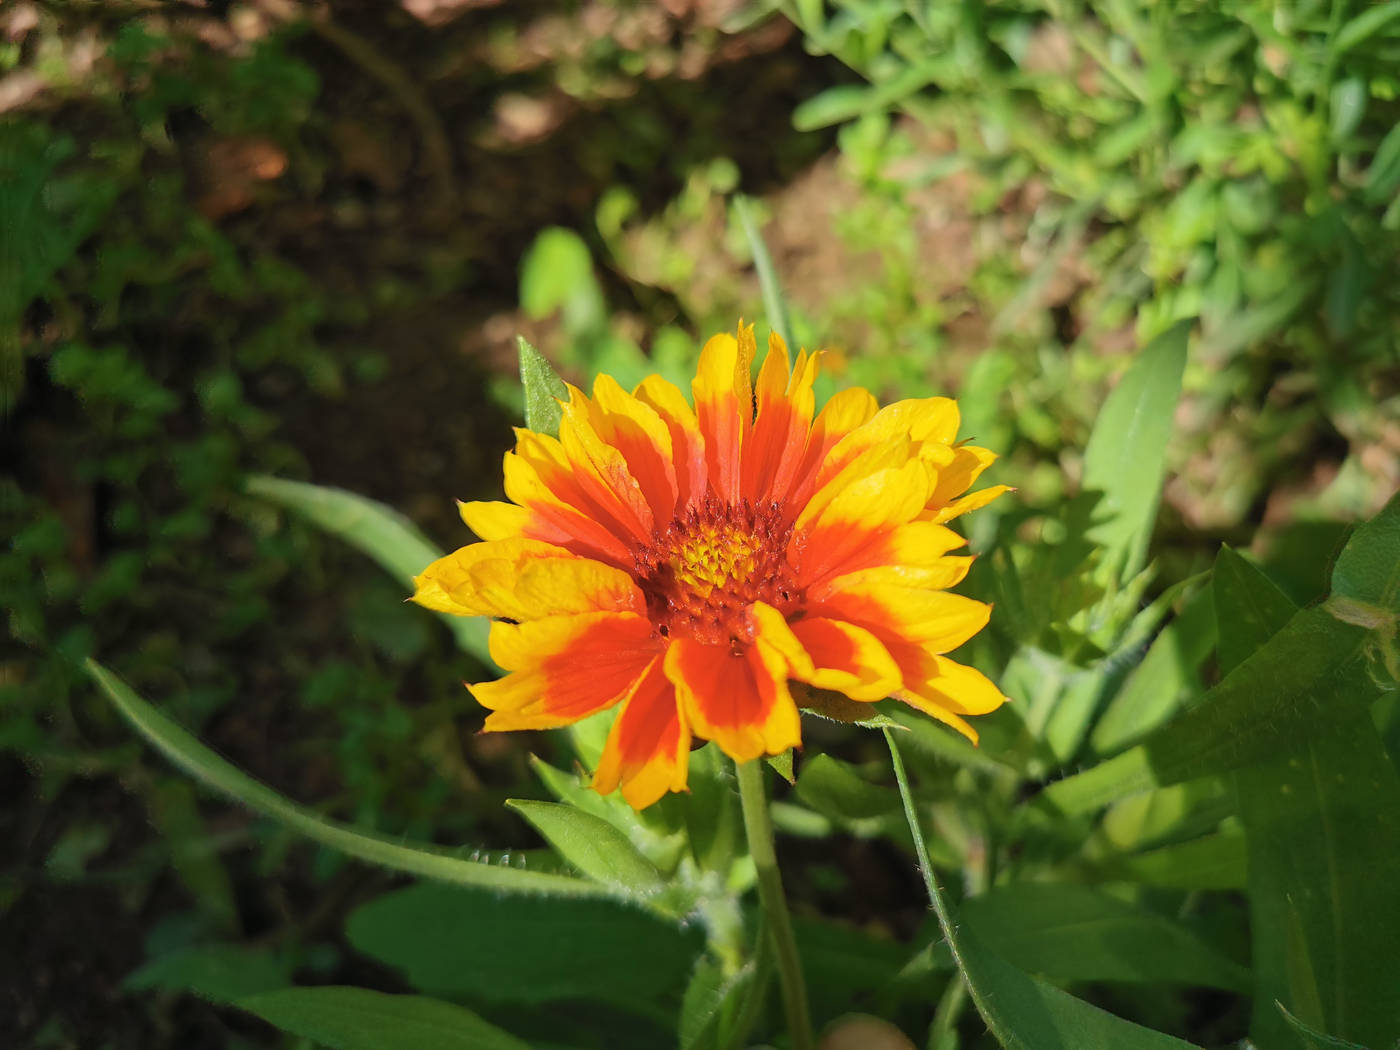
[[711, 563]]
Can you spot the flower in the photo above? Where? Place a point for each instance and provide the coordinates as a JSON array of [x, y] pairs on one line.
[[688, 565]]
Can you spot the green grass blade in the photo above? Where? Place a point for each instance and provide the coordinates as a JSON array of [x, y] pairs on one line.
[[428, 861], [774, 305], [376, 530]]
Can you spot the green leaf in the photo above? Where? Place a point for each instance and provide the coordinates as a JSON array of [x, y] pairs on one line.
[[1348, 101], [709, 999], [358, 1019], [1273, 703], [843, 965], [1167, 675], [1168, 814], [774, 305], [782, 765], [847, 101], [557, 274], [543, 390], [221, 972], [1314, 1040], [1383, 176], [1322, 826], [1125, 459], [433, 862], [594, 846], [1073, 933], [376, 530], [464, 943], [835, 790], [174, 810], [1212, 862], [1368, 569], [1022, 1012], [1248, 607], [1364, 26]]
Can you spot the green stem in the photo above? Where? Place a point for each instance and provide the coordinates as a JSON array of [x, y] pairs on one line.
[[911, 814], [759, 830]]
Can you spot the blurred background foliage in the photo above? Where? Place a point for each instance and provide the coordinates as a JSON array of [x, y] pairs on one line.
[[299, 239]]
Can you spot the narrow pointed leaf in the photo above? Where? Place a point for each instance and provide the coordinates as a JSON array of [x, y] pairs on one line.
[[595, 847], [1125, 459], [774, 305], [376, 530], [433, 862], [543, 390]]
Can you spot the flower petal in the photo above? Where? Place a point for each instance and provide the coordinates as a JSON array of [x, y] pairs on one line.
[[922, 421], [935, 621], [558, 512], [734, 698], [494, 520], [971, 501], [774, 451], [687, 446], [724, 407], [638, 432], [949, 689], [648, 748], [857, 516], [601, 471], [846, 658], [564, 668], [522, 579]]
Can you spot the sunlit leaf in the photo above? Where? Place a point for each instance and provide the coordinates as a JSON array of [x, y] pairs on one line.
[[543, 390], [835, 790], [1212, 862], [1126, 457], [1168, 674], [433, 862]]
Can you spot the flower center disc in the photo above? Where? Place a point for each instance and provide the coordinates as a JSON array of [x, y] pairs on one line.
[[703, 570]]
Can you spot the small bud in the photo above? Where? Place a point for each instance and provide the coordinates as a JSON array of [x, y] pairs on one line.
[[863, 1032]]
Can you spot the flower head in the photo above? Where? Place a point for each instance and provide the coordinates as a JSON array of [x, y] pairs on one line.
[[690, 564]]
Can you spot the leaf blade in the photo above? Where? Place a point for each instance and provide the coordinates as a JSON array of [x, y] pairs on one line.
[[376, 530], [544, 390], [1125, 458], [345, 1018], [428, 861]]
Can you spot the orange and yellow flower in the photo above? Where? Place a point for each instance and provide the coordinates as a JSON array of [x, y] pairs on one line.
[[688, 564]]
